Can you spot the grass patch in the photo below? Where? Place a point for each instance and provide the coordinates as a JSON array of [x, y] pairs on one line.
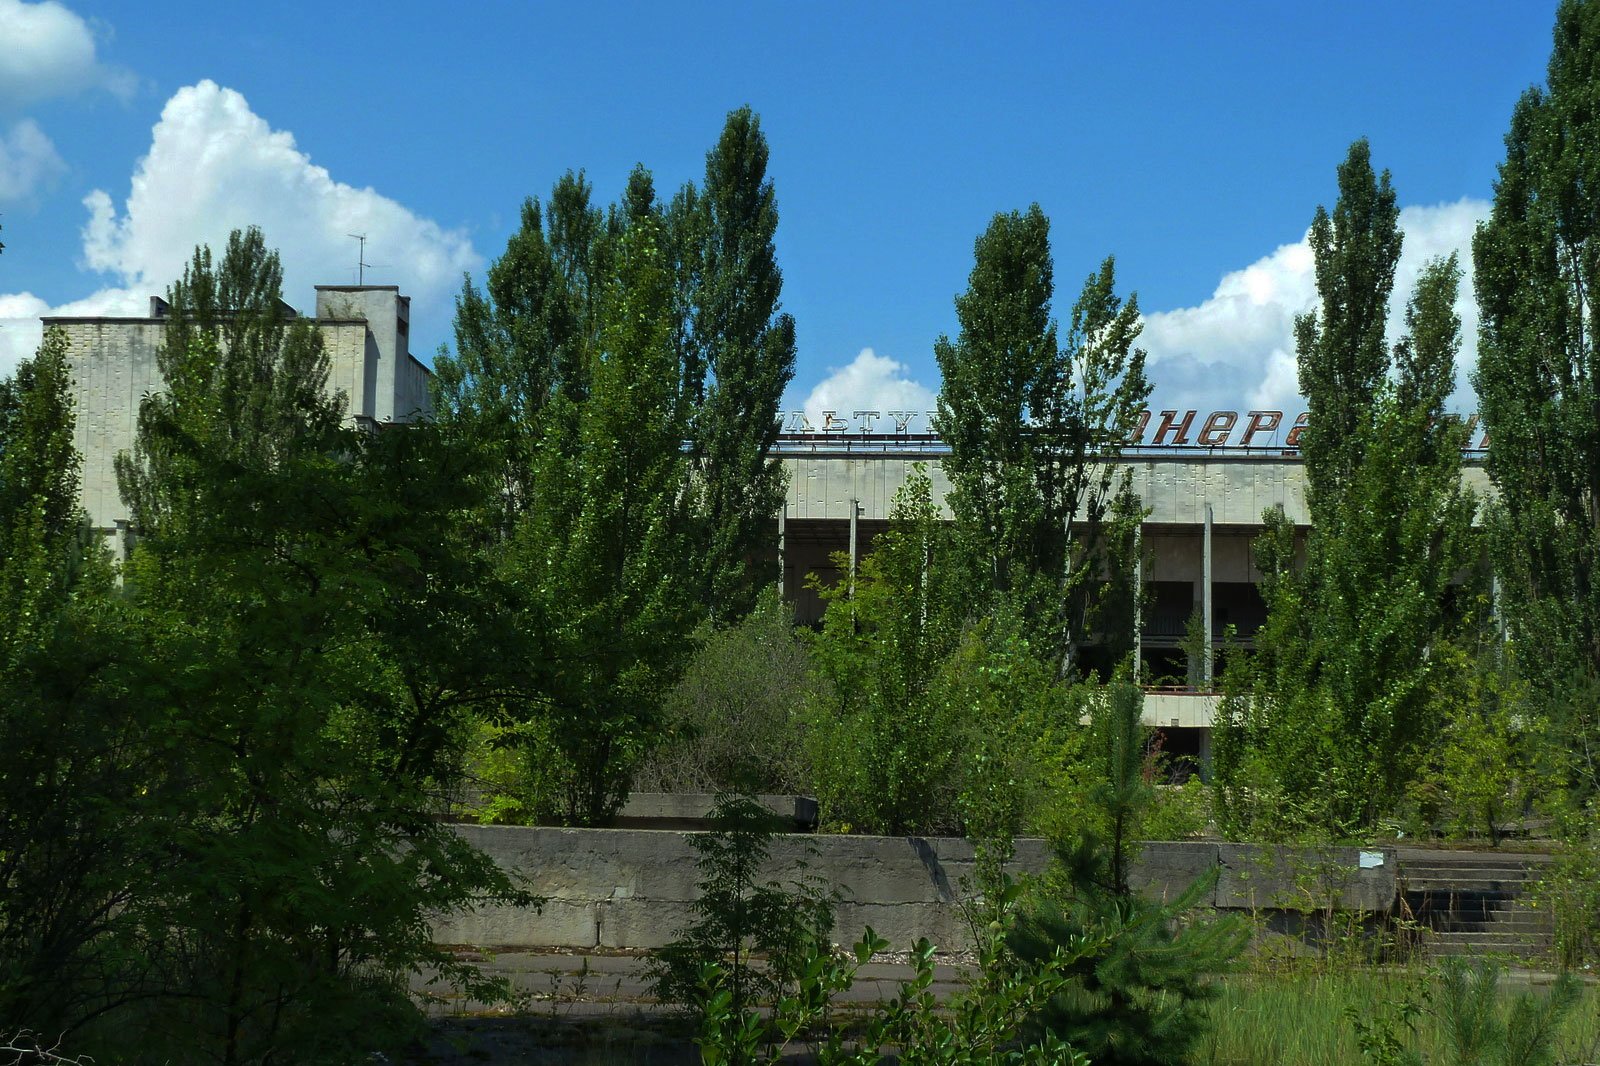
[[1312, 1018]]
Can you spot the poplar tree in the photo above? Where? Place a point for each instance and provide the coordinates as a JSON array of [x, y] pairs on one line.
[[1537, 263], [1035, 427], [603, 558], [1346, 691], [738, 358], [73, 841]]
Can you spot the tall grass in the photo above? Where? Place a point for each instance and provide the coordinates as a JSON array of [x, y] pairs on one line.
[[1311, 1018]]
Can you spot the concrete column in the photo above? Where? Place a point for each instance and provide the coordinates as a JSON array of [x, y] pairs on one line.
[[783, 516], [855, 512], [1494, 607], [1205, 599], [1138, 602]]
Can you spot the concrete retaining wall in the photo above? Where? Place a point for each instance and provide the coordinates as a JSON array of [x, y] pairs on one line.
[[633, 889]]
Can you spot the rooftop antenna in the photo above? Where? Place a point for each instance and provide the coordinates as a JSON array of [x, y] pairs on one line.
[[361, 258]]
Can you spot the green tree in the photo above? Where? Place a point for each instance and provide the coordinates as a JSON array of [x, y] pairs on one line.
[[1034, 429], [603, 557], [1333, 718], [315, 641], [73, 836], [1139, 997], [735, 716], [882, 744], [1537, 262], [737, 353]]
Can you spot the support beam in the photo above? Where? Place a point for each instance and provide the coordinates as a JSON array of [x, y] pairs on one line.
[[1138, 602], [855, 513], [783, 518], [1205, 601]]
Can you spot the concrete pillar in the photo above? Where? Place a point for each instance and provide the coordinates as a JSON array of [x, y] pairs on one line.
[[1205, 600], [1138, 603], [1494, 609], [783, 516], [855, 512]]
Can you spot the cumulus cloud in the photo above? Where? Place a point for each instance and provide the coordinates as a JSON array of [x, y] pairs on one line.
[[870, 382], [20, 312], [28, 161], [214, 166], [50, 51], [1236, 350]]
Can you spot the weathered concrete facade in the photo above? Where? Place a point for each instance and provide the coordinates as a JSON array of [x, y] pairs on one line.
[[364, 330]]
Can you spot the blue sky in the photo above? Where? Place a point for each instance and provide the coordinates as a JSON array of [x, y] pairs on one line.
[[1192, 141]]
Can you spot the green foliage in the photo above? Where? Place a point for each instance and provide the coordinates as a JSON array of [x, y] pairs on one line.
[[1478, 1032], [1324, 730], [927, 722], [1486, 767], [736, 714], [739, 916], [881, 743], [1034, 427], [1140, 996], [621, 374], [76, 766], [1538, 383], [983, 1024], [1570, 885], [737, 356], [316, 642]]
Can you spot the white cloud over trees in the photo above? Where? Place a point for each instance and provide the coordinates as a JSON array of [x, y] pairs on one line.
[[213, 166], [870, 382]]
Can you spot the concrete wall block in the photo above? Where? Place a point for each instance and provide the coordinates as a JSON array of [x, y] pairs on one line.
[[559, 924], [1263, 877], [643, 924], [1165, 870], [593, 864], [903, 924]]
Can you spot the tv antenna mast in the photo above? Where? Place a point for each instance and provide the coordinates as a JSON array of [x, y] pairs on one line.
[[361, 257]]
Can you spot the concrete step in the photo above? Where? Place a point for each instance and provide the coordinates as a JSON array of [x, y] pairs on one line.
[[1480, 875], [1474, 949]]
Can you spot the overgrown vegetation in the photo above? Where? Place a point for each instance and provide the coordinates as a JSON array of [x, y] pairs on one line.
[[230, 757]]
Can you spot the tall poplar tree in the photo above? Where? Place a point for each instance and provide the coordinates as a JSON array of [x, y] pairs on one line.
[[1345, 692], [1035, 427], [603, 557], [73, 842], [1537, 263], [738, 359]]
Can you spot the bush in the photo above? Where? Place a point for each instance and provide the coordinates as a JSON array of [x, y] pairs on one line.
[[734, 717]]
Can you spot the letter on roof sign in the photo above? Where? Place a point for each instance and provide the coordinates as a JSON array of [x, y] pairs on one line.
[[1217, 427], [1261, 422], [1180, 430]]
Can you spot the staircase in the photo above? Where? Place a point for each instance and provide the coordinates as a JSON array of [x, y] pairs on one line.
[[1475, 902]]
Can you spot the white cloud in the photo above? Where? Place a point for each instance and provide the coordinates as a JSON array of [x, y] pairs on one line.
[[50, 51], [20, 312], [214, 166], [1236, 350], [870, 382], [28, 161]]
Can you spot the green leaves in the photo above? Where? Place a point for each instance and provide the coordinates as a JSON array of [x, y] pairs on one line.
[[1034, 429], [1537, 263], [1324, 730]]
